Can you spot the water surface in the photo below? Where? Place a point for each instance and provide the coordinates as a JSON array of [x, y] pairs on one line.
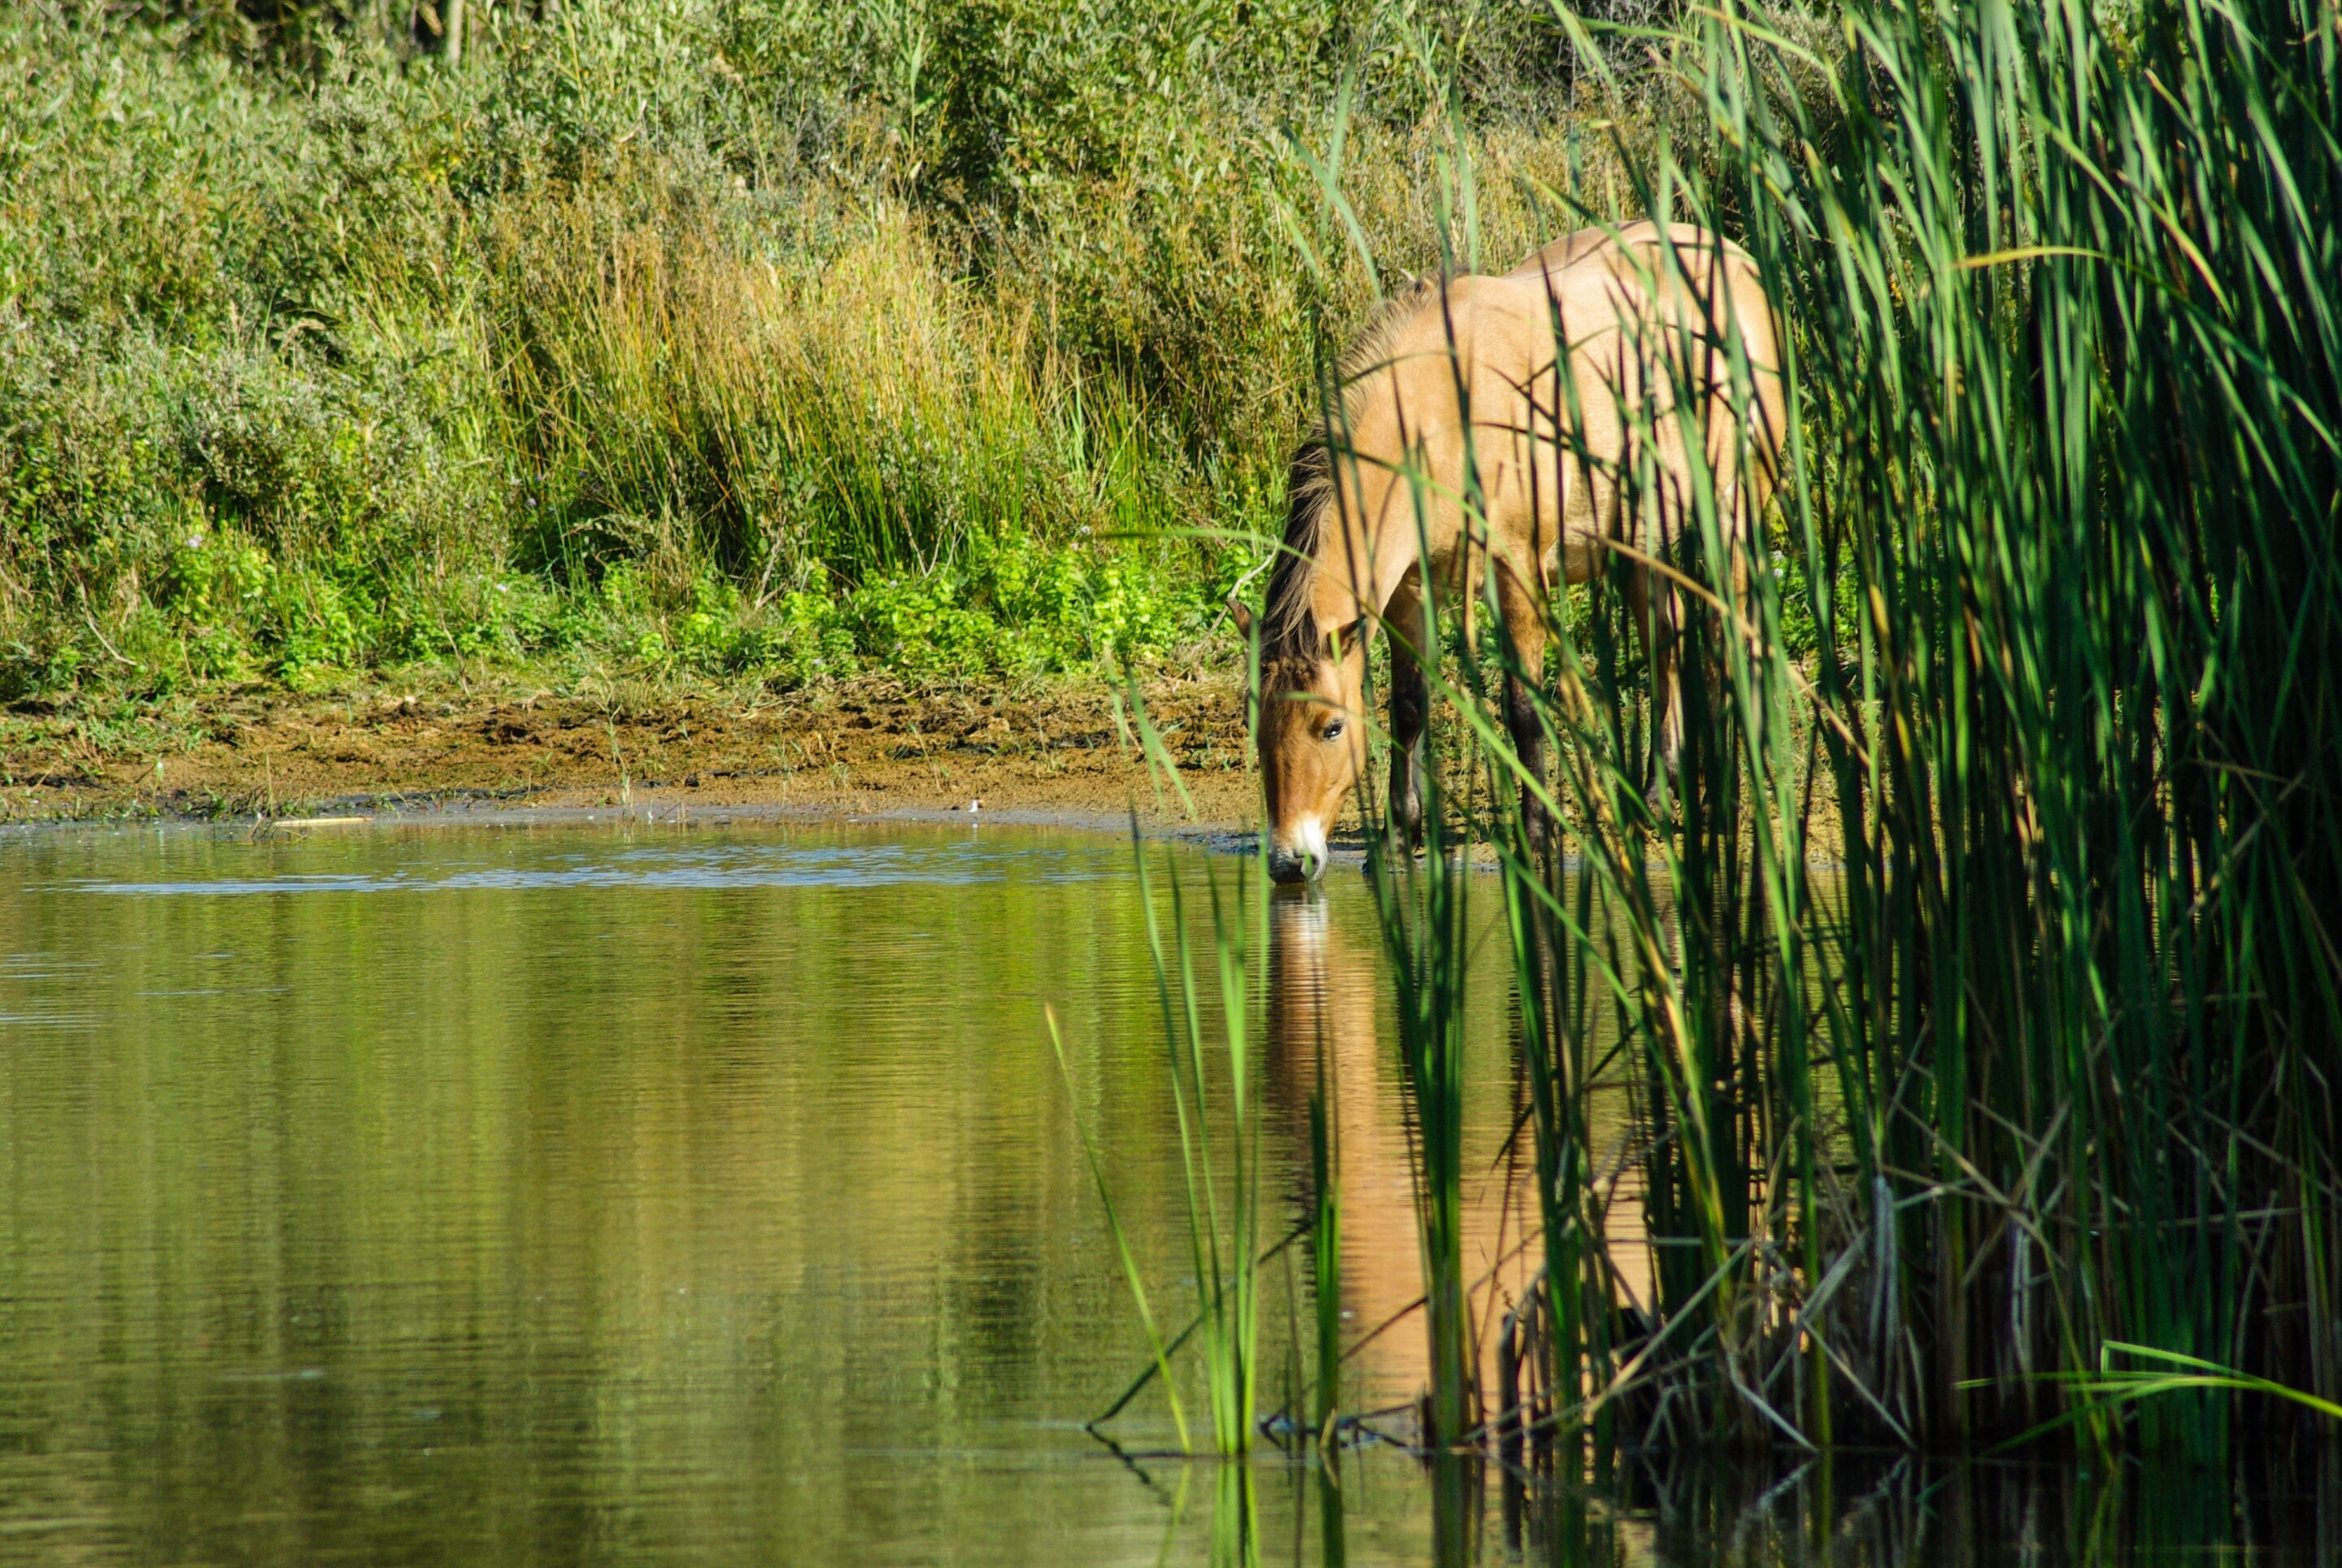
[[570, 1194]]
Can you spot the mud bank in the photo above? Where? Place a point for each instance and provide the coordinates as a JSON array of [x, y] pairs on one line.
[[1066, 753]]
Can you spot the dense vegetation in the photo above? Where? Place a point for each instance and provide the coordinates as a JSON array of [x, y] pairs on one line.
[[1975, 983], [745, 337], [1947, 1051]]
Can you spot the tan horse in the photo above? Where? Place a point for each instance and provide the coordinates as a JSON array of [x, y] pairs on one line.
[[1375, 502]]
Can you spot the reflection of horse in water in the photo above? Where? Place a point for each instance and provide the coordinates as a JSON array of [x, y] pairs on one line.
[[1323, 994]]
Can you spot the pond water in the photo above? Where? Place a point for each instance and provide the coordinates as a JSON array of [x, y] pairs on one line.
[[565, 1193]]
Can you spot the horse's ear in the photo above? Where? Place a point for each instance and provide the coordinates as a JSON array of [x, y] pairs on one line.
[[1241, 613], [1341, 638]]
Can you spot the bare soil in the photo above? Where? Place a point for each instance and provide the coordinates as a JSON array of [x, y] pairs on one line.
[[263, 752]]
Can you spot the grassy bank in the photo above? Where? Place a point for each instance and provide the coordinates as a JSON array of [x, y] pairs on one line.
[[727, 339]]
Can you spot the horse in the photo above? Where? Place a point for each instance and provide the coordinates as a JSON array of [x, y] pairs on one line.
[[1457, 447]]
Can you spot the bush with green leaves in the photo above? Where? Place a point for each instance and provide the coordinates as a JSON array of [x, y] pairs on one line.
[[739, 338]]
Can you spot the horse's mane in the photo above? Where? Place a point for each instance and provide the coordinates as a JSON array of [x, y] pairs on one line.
[[1289, 626]]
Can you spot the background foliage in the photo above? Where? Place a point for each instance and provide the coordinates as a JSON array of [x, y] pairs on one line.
[[751, 336]]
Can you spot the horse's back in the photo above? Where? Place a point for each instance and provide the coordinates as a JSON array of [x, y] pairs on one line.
[[1596, 276], [1622, 263], [1595, 284], [1614, 244], [1405, 391]]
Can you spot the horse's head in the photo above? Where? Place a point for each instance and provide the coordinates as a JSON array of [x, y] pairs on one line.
[[1313, 742]]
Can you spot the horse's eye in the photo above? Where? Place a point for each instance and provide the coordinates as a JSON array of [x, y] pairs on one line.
[[1333, 731]]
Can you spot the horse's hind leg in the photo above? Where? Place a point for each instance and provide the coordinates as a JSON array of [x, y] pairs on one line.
[[1410, 711]]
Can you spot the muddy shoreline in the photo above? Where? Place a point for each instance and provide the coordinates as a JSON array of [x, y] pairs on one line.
[[1066, 755]]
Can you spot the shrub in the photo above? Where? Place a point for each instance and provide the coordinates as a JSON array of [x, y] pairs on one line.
[[727, 336]]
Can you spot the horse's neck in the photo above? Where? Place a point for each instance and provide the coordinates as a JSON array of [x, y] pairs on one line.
[[1361, 558]]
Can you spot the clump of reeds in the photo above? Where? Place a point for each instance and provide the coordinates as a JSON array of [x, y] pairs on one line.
[[1975, 976]]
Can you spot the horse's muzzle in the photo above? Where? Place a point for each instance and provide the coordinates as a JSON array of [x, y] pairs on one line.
[[1299, 856]]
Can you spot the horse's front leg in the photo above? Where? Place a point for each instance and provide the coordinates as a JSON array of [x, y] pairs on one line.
[[1410, 713], [1524, 616], [1651, 605]]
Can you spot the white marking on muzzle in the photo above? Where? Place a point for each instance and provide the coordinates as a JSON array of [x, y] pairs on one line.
[[1310, 839]]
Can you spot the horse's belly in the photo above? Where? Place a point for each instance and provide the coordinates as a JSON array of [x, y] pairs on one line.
[[1575, 559]]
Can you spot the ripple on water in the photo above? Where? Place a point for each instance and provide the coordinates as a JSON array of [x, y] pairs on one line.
[[696, 868]]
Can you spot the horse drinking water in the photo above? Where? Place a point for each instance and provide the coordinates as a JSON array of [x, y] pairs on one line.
[[1383, 495]]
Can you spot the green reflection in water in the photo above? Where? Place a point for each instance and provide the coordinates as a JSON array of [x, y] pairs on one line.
[[561, 1195]]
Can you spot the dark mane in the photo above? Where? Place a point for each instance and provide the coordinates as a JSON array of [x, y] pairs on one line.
[[1289, 626]]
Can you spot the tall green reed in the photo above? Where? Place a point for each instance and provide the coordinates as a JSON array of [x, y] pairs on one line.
[[1325, 1246], [1426, 932], [1219, 1152], [1223, 1232]]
